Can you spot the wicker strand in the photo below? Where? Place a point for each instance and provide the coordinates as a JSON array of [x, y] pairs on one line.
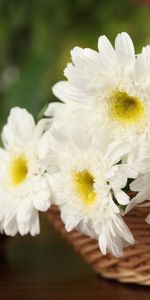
[[133, 267]]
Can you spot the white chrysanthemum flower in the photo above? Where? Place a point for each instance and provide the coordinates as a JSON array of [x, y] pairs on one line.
[[112, 83], [85, 185], [24, 187]]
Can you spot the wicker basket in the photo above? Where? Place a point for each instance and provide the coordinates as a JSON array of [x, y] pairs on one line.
[[133, 267]]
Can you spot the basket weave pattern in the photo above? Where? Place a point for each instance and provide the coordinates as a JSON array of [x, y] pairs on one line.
[[134, 266]]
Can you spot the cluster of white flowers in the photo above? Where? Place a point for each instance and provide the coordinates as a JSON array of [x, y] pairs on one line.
[[87, 153]]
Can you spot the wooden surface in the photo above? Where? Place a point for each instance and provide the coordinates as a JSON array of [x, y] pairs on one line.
[[46, 267]]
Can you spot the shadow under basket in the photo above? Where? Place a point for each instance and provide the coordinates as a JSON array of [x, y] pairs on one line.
[[132, 267]]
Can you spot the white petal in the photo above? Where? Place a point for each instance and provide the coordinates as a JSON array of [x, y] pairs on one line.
[[23, 228], [84, 57], [113, 206], [135, 201], [87, 229], [81, 139], [35, 225], [118, 182], [107, 53], [43, 147], [70, 219], [3, 154], [42, 201], [65, 92], [124, 49], [57, 138], [32, 225], [86, 70], [20, 127], [11, 228], [9, 208], [25, 210], [53, 108], [141, 183], [142, 66], [115, 152], [4, 157], [123, 230], [122, 197], [143, 166], [40, 128], [103, 242]]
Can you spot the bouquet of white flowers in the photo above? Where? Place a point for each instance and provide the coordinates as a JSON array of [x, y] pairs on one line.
[[89, 154]]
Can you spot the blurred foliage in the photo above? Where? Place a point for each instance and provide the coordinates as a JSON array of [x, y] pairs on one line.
[[36, 37]]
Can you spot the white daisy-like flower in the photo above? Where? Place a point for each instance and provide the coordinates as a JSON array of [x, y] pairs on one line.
[[88, 187], [24, 187], [113, 83]]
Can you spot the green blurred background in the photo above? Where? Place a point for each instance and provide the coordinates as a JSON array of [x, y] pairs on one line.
[[36, 38]]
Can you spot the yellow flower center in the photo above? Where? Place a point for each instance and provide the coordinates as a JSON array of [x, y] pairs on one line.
[[125, 108], [18, 170], [84, 184]]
